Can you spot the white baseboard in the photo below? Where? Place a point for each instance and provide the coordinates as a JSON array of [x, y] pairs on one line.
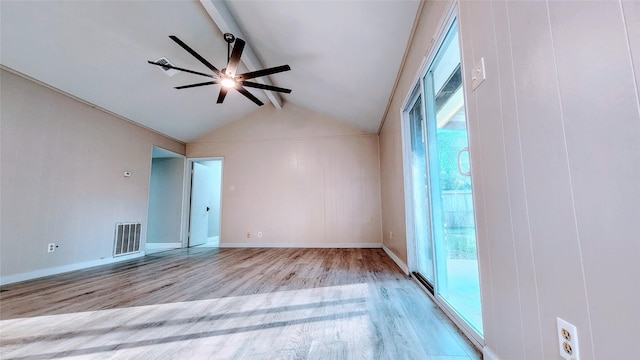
[[162, 246], [10, 279], [396, 259], [487, 354], [305, 246]]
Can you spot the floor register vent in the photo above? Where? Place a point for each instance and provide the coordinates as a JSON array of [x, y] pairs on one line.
[[127, 239]]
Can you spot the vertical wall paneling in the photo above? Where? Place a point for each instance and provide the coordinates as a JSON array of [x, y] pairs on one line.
[[298, 177], [62, 179], [544, 156], [521, 237], [631, 13], [604, 153], [570, 157]]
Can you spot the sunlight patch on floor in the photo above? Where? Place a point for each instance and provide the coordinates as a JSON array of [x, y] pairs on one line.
[[242, 326]]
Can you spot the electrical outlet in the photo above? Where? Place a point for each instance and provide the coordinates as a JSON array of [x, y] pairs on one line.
[[259, 233], [51, 247], [248, 235], [568, 340]]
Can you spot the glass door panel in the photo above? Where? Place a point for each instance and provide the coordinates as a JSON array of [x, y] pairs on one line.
[[419, 181], [457, 280]]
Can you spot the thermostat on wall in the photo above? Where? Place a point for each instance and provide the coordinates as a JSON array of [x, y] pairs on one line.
[[127, 174]]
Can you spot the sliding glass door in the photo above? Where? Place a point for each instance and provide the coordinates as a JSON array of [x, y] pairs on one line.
[[445, 210]]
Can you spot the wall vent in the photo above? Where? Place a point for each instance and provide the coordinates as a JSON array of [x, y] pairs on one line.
[[127, 239], [169, 71]]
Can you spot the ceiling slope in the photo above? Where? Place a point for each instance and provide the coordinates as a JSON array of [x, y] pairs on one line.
[[345, 55], [221, 16]]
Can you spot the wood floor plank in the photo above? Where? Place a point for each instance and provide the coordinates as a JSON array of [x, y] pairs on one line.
[[205, 303]]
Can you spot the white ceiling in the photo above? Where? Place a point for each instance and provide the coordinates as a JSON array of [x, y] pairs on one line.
[[344, 56]]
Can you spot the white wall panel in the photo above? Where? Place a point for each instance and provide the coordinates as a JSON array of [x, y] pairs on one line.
[[526, 278], [491, 188], [604, 156], [631, 12], [555, 244], [298, 177], [563, 71], [392, 197]]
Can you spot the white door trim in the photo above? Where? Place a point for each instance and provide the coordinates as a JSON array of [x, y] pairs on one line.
[[186, 204]]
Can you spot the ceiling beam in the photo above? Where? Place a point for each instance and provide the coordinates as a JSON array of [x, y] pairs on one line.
[[222, 17]]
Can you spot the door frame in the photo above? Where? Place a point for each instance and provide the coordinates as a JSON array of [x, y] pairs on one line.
[[186, 206], [450, 16], [182, 216], [405, 129]]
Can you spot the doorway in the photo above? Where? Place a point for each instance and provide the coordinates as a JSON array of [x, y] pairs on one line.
[[205, 212], [164, 218]]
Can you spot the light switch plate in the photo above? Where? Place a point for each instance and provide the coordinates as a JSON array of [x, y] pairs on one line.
[[477, 74]]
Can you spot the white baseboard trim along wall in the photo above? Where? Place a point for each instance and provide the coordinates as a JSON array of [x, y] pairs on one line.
[[162, 246], [10, 279], [396, 259], [487, 354]]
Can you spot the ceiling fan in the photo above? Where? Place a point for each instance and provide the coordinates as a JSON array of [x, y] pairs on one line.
[[227, 77]]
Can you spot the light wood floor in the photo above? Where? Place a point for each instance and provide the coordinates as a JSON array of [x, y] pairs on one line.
[[206, 303]]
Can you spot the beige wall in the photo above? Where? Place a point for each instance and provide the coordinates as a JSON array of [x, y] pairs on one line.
[[62, 178], [391, 174], [300, 178], [556, 163]]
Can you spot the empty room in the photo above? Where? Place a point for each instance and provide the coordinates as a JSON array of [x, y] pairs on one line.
[[372, 179]]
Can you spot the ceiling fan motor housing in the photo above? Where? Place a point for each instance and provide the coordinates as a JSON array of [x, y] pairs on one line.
[[228, 37], [228, 77]]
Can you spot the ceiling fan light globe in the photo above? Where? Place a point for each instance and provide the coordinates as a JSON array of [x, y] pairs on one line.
[[228, 83]]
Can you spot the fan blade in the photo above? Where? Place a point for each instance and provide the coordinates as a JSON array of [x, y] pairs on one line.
[[246, 93], [223, 93], [195, 54], [263, 72], [198, 84], [181, 69], [234, 60], [265, 87]]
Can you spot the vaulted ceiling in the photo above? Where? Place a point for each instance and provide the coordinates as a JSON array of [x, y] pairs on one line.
[[344, 55]]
